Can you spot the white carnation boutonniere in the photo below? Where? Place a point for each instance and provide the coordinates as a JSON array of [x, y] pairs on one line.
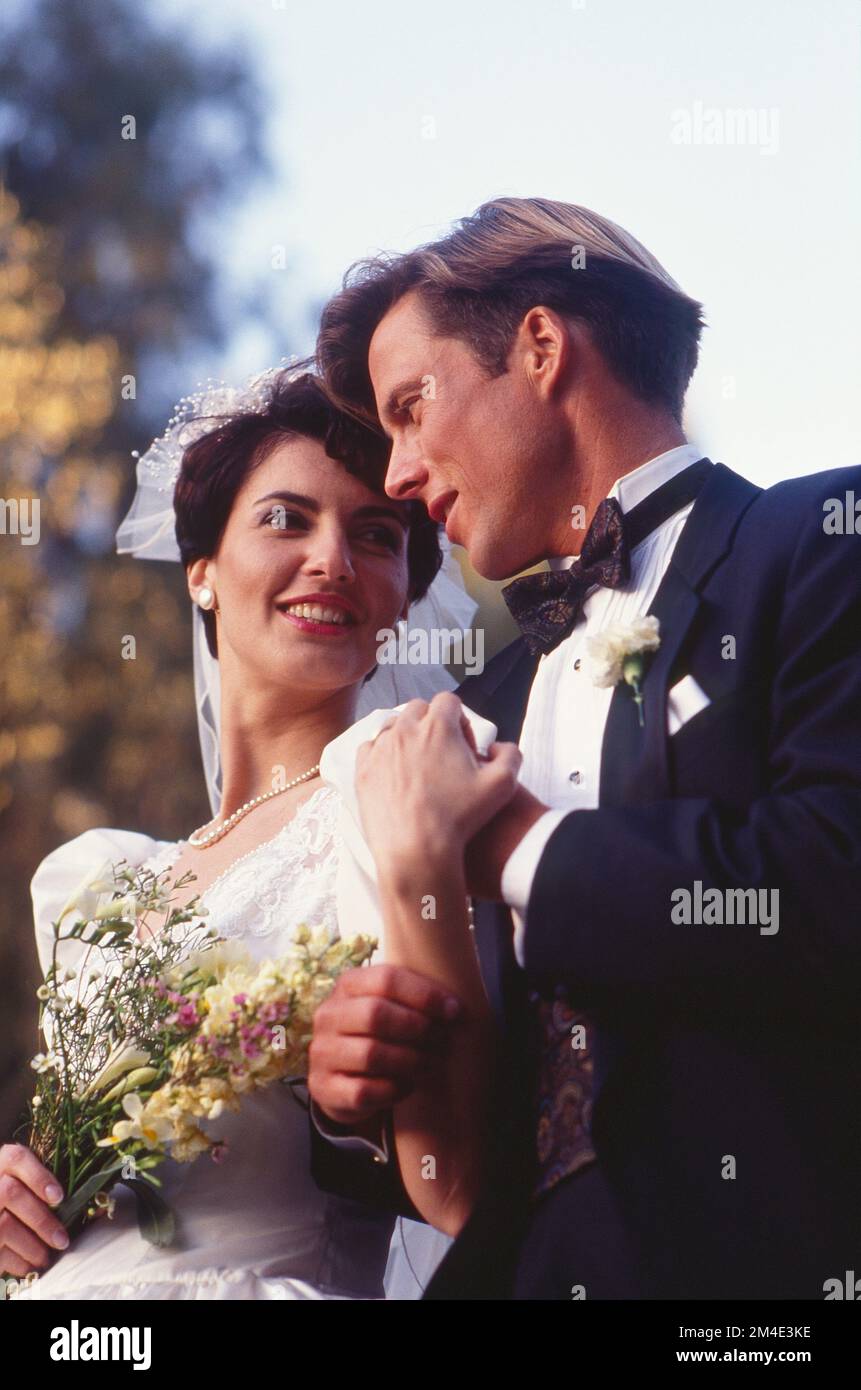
[[619, 654]]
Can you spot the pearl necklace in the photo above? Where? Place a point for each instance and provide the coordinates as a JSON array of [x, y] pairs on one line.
[[200, 841]]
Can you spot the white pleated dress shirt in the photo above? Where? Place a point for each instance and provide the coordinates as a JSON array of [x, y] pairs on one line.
[[563, 730]]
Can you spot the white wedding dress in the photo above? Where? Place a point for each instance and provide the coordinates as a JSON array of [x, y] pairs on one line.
[[254, 1226]]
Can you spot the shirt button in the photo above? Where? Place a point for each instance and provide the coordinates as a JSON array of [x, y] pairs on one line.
[[577, 664], [576, 776]]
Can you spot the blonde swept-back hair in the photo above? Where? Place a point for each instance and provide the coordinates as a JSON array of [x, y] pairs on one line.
[[507, 230], [477, 282]]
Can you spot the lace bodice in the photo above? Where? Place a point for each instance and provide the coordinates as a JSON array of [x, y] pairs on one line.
[[281, 884]]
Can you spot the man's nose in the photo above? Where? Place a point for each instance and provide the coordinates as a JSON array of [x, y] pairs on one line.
[[406, 474]]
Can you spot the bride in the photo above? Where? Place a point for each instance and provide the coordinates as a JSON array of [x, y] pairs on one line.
[[295, 560]]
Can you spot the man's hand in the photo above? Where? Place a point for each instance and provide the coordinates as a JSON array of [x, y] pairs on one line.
[[422, 790], [372, 1039], [488, 852]]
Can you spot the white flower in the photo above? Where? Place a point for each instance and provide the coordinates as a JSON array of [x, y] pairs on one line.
[[158, 898], [123, 1058], [212, 960], [88, 894], [45, 1061], [129, 906], [141, 1076], [612, 647]]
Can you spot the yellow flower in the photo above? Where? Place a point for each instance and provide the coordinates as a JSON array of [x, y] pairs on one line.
[[154, 1130]]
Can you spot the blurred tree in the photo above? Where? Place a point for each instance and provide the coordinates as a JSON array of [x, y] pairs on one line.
[[129, 139], [119, 143]]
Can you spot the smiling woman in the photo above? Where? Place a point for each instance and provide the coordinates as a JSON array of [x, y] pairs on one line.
[[299, 415], [295, 559], [275, 574]]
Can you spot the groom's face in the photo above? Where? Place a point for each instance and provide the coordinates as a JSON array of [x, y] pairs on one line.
[[468, 445]]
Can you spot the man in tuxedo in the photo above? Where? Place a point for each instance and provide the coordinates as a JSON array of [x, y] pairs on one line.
[[667, 911]]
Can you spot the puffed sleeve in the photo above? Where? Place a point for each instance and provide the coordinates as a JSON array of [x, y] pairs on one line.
[[67, 871]]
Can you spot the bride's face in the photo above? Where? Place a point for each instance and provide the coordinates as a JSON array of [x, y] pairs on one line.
[[312, 564]]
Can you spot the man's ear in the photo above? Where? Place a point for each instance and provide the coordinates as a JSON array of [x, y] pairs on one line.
[[545, 340], [200, 572]]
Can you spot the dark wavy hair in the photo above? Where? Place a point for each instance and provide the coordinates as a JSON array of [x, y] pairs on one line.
[[217, 464]]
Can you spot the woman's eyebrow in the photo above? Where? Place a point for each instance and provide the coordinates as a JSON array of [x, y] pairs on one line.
[[296, 499]]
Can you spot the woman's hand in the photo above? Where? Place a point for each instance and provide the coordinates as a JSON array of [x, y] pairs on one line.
[[29, 1231], [423, 791]]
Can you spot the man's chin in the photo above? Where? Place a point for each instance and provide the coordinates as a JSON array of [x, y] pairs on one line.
[[495, 564]]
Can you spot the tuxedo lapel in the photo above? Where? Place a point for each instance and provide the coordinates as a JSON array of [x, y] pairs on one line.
[[634, 759], [502, 693], [512, 697]]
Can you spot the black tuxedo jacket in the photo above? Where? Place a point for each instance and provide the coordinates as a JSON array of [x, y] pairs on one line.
[[726, 1087]]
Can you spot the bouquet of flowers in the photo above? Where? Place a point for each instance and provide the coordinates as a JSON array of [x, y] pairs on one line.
[[156, 1029]]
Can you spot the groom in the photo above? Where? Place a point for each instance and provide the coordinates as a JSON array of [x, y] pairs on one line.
[[668, 909]]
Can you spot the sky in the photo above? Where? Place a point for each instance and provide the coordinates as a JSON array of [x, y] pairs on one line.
[[725, 137]]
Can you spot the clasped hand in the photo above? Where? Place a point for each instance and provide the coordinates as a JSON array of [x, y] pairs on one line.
[[424, 791], [427, 801]]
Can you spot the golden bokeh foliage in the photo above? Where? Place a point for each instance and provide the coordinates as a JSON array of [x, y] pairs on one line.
[[52, 392], [89, 719]]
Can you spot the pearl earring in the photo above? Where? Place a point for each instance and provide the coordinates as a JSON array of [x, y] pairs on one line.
[[205, 598]]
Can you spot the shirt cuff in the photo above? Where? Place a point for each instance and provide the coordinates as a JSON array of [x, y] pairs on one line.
[[340, 1137], [520, 870]]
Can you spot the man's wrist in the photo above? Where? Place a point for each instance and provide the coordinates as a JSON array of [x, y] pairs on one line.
[[490, 851], [360, 1129], [521, 866], [370, 1135]]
